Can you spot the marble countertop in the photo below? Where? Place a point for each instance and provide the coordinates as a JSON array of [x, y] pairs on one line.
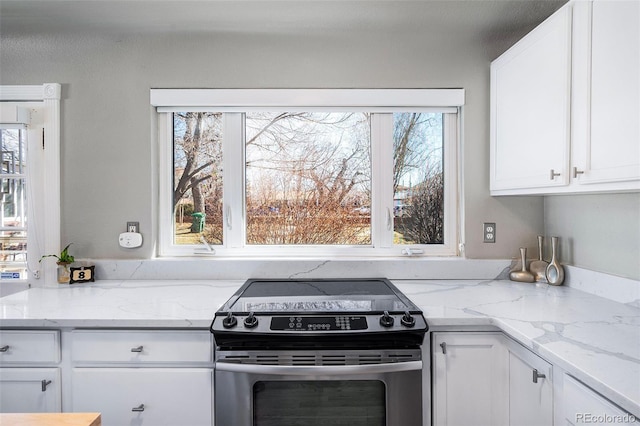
[[595, 339]]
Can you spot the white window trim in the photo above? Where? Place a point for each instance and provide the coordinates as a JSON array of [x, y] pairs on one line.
[[382, 101], [48, 97]]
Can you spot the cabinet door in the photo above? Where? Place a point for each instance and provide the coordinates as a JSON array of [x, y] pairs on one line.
[[530, 388], [30, 390], [145, 396], [470, 379], [530, 108], [608, 150]]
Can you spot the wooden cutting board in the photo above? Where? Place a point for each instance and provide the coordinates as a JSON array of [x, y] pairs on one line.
[[50, 419]]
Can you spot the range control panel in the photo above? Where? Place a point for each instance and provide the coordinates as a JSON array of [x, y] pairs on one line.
[[318, 323]]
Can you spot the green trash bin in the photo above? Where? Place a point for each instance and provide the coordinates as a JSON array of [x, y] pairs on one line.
[[197, 225]]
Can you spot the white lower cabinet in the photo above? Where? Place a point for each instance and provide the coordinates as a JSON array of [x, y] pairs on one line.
[[143, 377], [530, 388], [145, 396], [487, 379], [30, 390], [469, 379], [581, 405], [29, 371]]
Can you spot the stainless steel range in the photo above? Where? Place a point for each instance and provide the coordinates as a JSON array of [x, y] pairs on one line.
[[318, 352]]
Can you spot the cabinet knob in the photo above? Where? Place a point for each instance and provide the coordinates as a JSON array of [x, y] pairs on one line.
[[577, 172], [44, 384], [553, 174], [138, 349], [4, 348], [443, 345], [537, 375], [138, 409]]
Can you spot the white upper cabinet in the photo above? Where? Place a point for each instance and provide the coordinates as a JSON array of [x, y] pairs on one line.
[[607, 91], [530, 113], [565, 104]]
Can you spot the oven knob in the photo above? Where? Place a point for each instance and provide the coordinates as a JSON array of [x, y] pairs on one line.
[[250, 321], [229, 321], [386, 320], [407, 320]]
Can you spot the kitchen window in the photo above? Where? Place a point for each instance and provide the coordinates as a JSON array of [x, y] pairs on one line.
[[30, 140], [308, 172], [13, 203]]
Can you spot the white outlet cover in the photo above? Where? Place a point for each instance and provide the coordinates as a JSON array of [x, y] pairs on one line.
[[130, 239]]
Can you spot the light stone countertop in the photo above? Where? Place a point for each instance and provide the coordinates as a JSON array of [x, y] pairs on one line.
[[595, 339]]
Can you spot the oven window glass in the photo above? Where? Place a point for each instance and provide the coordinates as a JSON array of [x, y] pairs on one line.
[[318, 402]]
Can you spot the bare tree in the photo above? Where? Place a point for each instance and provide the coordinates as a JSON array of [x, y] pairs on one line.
[[423, 222], [201, 146], [316, 163], [409, 151]]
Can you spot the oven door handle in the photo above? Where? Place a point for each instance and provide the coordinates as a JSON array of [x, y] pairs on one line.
[[315, 370]]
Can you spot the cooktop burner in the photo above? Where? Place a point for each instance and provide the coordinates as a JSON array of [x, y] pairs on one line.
[[309, 312]]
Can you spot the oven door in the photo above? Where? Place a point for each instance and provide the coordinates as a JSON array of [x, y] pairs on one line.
[[378, 394]]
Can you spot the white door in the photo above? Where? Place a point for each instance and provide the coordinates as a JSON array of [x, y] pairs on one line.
[[145, 396], [530, 388], [30, 390], [610, 148], [470, 379], [530, 108]]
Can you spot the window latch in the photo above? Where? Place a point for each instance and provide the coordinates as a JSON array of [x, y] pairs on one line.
[[411, 251]]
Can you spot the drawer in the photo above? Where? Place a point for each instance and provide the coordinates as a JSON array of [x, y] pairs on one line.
[[583, 405], [145, 396], [141, 346], [29, 347]]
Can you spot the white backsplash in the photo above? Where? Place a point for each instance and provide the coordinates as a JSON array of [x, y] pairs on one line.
[[623, 290], [215, 269], [615, 288]]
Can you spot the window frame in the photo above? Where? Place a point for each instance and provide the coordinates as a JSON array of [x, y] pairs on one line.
[[381, 102], [43, 138]]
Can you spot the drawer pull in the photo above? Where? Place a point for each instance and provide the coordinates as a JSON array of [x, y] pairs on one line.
[[537, 375], [443, 345], [138, 349], [5, 348], [138, 409], [553, 174], [44, 384]]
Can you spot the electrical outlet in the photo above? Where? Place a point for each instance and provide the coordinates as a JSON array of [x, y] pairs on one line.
[[489, 232], [133, 227]]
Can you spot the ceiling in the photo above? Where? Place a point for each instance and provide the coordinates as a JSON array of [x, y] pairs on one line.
[[474, 19]]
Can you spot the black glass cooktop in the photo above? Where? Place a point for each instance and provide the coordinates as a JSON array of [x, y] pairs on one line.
[[318, 313], [318, 295]]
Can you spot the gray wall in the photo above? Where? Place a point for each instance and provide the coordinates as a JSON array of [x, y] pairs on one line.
[[598, 232], [108, 154]]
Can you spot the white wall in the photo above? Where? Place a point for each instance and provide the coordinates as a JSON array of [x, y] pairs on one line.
[[597, 232], [108, 157]]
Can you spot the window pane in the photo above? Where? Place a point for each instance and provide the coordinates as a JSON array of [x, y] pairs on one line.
[[13, 214], [197, 186], [418, 184], [318, 402], [308, 178]]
